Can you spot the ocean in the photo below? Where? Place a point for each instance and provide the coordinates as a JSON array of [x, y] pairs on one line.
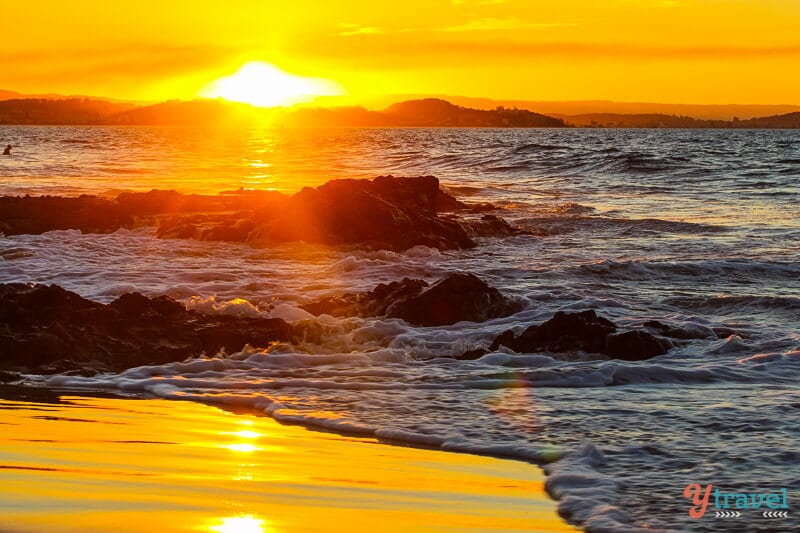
[[698, 229]]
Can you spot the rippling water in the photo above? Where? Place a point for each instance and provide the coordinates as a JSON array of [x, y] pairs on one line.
[[697, 228]]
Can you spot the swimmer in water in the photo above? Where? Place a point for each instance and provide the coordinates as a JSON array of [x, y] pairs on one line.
[[7, 151]]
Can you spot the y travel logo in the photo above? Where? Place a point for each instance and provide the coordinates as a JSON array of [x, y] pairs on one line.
[[769, 505]]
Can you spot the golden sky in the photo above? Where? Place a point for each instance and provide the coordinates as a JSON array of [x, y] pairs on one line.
[[686, 51]]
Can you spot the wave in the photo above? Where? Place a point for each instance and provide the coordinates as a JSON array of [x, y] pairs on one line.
[[729, 269], [389, 396], [737, 303], [627, 226], [536, 147]]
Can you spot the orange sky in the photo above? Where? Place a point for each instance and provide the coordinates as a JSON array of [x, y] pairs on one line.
[[689, 51]]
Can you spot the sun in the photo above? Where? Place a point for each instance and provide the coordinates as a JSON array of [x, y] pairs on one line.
[[265, 85]]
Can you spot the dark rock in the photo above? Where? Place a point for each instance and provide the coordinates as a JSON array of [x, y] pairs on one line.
[[492, 226], [90, 214], [388, 212], [585, 331], [566, 332], [507, 338], [49, 329], [367, 304], [635, 345], [9, 377], [454, 298], [446, 203], [471, 355]]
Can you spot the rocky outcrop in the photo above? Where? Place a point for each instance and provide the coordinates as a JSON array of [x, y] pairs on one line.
[[47, 329], [584, 331], [388, 212], [456, 297], [635, 345], [492, 226], [89, 214], [374, 303]]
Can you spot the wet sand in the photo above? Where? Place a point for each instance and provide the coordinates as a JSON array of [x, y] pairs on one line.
[[125, 465]]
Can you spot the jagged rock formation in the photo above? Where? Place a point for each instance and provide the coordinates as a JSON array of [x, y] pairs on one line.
[[47, 329], [456, 297]]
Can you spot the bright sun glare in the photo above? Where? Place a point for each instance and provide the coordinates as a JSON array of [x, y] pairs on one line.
[[265, 85], [240, 524]]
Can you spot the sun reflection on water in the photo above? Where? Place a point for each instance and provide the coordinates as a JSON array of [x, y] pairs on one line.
[[242, 447], [247, 434]]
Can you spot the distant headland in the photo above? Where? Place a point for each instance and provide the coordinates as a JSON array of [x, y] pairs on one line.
[[17, 109]]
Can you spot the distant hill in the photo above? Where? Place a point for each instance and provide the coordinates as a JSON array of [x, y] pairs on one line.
[[615, 120], [787, 121], [182, 113], [553, 108], [305, 117], [434, 112], [419, 113], [612, 120], [73, 111], [428, 112], [14, 95]]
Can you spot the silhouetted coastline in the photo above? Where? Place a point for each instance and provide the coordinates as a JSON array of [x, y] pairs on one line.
[[427, 113]]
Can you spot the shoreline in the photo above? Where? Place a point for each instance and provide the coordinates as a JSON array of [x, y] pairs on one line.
[[82, 462]]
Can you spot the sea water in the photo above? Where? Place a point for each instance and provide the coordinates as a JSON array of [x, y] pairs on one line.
[[699, 229]]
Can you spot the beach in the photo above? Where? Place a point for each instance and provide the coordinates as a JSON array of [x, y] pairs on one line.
[[90, 464]]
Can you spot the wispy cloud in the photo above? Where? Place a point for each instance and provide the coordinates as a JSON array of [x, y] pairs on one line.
[[493, 24], [348, 29], [475, 25], [127, 63], [478, 2], [406, 51]]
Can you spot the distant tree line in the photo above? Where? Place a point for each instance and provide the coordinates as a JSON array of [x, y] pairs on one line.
[[430, 112]]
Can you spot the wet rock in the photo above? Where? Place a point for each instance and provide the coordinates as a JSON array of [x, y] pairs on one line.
[[48, 329], [471, 355], [585, 331], [367, 304], [456, 297], [9, 377], [90, 214], [565, 332], [492, 226], [388, 212], [635, 345]]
